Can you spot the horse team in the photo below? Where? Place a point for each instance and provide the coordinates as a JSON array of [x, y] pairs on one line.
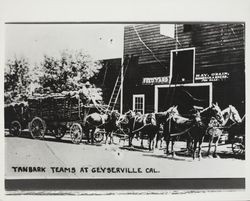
[[168, 125]]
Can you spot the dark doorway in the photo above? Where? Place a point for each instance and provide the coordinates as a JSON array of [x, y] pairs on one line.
[[184, 96], [182, 66]]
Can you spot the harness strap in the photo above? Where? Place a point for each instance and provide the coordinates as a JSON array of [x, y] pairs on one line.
[[145, 124], [140, 128], [180, 133]]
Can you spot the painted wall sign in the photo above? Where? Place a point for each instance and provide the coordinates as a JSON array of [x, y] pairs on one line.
[[212, 77], [155, 80]]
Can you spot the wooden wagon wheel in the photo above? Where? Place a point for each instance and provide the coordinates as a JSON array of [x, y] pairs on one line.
[[37, 128], [99, 135], [76, 133], [238, 146], [60, 132], [15, 128]]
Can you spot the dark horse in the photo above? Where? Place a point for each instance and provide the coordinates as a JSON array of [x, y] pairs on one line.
[[107, 121], [194, 128], [147, 124]]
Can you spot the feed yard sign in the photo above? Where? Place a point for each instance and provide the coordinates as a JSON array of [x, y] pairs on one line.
[[155, 80], [212, 77]]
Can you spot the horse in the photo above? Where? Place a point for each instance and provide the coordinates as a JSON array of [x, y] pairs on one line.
[[193, 127], [214, 127], [145, 124], [107, 121]]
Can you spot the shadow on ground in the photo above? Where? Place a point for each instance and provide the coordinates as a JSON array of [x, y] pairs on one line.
[[50, 138], [169, 157], [135, 148]]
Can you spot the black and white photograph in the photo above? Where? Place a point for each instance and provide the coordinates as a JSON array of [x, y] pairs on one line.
[[103, 104]]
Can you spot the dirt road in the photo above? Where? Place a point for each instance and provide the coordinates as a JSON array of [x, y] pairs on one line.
[[29, 158]]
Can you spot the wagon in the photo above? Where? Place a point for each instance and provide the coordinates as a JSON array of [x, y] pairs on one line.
[[237, 138], [233, 135], [16, 117], [55, 114]]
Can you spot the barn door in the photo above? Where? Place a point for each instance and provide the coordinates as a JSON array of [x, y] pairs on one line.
[[185, 96]]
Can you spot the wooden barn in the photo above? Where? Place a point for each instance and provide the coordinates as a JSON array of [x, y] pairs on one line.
[[184, 65]]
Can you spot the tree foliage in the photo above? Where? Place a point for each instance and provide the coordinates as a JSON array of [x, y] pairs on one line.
[[68, 72], [16, 80]]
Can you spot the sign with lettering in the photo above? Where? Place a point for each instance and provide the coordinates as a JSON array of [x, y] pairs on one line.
[[155, 80], [212, 77]]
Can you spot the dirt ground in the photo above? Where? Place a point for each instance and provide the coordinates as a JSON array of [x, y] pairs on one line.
[[48, 158]]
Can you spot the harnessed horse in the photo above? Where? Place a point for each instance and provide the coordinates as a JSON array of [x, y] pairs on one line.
[[108, 121], [147, 124], [214, 127], [194, 127]]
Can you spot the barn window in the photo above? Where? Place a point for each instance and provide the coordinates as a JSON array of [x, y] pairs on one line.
[[139, 103]]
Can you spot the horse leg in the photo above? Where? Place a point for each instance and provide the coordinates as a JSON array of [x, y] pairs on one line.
[[158, 138], [199, 147], [149, 143], [92, 135], [87, 135], [194, 149], [141, 136], [215, 147], [111, 138], [189, 148], [167, 139], [161, 141], [130, 138], [154, 141], [106, 137], [156, 144], [209, 145], [172, 147], [188, 144]]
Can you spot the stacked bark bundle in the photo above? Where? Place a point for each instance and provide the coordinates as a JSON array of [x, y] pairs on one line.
[[15, 111], [66, 106]]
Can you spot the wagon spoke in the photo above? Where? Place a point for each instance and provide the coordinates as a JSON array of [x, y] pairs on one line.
[[37, 128], [99, 135], [15, 128]]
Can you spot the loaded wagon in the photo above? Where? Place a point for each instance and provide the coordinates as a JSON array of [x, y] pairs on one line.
[[55, 114], [16, 117]]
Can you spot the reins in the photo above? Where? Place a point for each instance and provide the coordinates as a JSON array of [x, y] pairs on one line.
[[179, 133], [134, 131]]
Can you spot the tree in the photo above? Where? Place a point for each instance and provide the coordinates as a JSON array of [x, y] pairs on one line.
[[16, 80], [70, 72]]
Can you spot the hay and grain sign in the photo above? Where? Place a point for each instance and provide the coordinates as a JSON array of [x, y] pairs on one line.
[[212, 77]]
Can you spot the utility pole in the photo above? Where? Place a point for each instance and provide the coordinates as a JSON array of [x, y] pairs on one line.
[[176, 37], [121, 93]]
